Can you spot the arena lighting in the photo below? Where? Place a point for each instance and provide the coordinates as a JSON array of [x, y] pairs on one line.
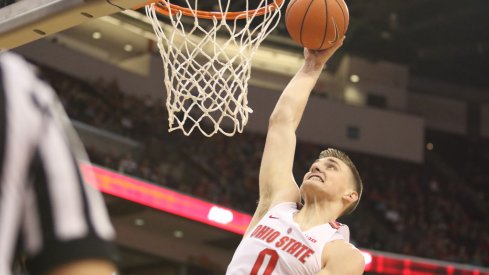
[[96, 35], [220, 215], [189, 207], [139, 222], [128, 48], [166, 200], [367, 256], [354, 78], [178, 234], [395, 264]]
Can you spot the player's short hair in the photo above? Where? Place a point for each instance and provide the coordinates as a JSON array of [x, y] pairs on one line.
[[357, 180]]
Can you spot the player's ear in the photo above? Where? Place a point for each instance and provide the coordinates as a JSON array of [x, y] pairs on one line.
[[351, 196]]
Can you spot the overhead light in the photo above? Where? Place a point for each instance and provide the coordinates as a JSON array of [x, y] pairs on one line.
[[354, 78], [178, 234], [96, 35], [429, 146], [128, 48], [353, 96], [220, 215], [139, 222]]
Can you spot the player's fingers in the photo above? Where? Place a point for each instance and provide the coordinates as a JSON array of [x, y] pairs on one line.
[[330, 50], [339, 44]]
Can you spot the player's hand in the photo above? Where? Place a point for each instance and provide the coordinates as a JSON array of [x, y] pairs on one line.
[[317, 58]]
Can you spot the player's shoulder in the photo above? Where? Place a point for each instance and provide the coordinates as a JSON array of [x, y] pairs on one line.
[[286, 205], [340, 251], [277, 211], [285, 208], [341, 257], [341, 246]]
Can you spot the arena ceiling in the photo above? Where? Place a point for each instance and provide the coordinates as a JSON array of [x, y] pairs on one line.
[[440, 39], [446, 40]]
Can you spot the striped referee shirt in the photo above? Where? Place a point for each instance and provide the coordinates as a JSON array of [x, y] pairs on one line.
[[46, 210]]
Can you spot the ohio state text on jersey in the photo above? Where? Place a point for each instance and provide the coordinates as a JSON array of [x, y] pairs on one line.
[[277, 245]]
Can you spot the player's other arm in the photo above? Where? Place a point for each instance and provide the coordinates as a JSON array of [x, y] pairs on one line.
[[342, 258], [277, 183], [86, 267]]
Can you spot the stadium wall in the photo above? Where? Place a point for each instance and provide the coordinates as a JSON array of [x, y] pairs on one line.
[[363, 129], [91, 69], [484, 121], [376, 78], [440, 113]]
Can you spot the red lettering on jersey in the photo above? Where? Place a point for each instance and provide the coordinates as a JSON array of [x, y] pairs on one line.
[[293, 248], [311, 239], [257, 229], [306, 255], [291, 241], [269, 231], [263, 232], [273, 236], [281, 241], [301, 250]]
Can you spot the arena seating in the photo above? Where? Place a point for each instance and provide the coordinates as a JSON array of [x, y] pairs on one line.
[[433, 210]]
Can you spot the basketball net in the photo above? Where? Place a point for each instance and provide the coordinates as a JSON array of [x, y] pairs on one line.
[[207, 62]]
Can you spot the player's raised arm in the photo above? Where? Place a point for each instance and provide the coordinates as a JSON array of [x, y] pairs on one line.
[[276, 180]]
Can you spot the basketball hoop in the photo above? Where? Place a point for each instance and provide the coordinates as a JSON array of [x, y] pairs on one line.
[[207, 62]]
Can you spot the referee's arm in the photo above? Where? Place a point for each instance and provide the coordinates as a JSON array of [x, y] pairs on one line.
[[61, 222]]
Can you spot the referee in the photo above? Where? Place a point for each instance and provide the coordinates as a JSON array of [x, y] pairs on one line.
[[47, 213]]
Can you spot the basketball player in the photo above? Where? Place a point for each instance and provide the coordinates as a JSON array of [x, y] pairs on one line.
[[283, 238], [61, 224]]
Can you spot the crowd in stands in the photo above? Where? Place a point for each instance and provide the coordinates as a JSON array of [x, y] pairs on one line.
[[414, 209]]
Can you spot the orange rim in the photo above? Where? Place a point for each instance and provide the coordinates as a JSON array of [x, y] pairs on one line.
[[214, 14]]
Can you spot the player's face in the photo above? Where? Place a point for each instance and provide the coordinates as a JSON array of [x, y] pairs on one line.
[[329, 177]]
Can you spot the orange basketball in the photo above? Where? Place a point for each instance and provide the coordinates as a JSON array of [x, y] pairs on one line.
[[317, 24]]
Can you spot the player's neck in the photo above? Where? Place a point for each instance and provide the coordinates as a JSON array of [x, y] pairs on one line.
[[313, 214]]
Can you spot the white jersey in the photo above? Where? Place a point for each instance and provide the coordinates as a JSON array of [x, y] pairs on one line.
[[277, 245]]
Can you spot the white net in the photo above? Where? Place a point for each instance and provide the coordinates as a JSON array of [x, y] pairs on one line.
[[207, 65]]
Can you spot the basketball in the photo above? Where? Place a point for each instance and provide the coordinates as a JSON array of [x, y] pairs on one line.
[[317, 24]]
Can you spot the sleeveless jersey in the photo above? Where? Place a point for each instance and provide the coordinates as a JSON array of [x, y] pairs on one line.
[[277, 245]]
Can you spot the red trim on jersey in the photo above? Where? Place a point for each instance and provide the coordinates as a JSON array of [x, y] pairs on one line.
[[335, 224]]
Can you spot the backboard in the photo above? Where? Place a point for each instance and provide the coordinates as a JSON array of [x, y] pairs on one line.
[[27, 20]]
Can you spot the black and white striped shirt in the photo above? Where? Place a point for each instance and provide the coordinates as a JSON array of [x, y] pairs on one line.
[[44, 204]]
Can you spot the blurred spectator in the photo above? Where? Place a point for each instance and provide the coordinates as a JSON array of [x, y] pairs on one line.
[[128, 165]]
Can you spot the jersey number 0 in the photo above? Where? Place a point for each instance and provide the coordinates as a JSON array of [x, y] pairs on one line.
[[271, 263]]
